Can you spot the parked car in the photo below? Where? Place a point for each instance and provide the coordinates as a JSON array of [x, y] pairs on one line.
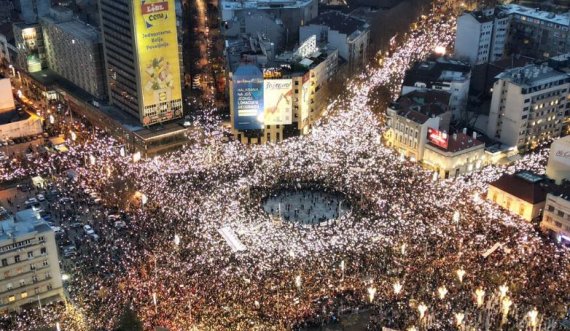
[[88, 229], [41, 197]]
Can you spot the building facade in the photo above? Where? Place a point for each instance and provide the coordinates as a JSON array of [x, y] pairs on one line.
[[74, 51], [528, 106], [441, 74], [523, 194], [556, 217], [482, 35], [291, 13], [307, 77], [29, 269], [32, 10], [558, 167], [487, 35], [142, 59], [409, 122], [30, 45], [351, 36], [460, 155]]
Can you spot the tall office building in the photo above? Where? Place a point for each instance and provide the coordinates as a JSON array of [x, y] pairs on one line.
[[142, 58], [32, 10]]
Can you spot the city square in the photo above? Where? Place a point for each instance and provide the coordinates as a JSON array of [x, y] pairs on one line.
[[298, 234]]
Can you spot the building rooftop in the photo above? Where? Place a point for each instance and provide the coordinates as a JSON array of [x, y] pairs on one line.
[[524, 185], [24, 222], [436, 70], [561, 19], [458, 142], [486, 15], [420, 107], [264, 4], [532, 75], [340, 22], [12, 116]]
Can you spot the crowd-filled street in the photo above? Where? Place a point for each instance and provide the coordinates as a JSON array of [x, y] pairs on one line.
[[410, 251]]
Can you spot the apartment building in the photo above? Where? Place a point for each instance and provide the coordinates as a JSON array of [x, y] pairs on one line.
[[482, 35], [528, 106], [29, 266]]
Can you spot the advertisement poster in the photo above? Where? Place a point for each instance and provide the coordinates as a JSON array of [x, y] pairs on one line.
[[438, 138], [159, 65], [248, 98], [278, 101], [305, 98]]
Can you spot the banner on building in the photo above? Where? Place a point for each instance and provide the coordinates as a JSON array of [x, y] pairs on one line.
[[158, 60], [248, 98], [278, 101]]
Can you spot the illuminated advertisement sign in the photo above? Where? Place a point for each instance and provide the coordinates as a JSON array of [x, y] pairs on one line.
[[278, 101], [305, 97], [438, 138], [158, 61], [248, 98]]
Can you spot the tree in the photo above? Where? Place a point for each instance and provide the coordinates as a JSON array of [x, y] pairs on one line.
[[129, 321]]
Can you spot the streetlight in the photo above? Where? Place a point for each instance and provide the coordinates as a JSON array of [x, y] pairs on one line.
[[480, 295], [371, 293], [397, 287], [459, 318], [422, 308], [533, 320], [460, 274], [442, 291], [503, 289]]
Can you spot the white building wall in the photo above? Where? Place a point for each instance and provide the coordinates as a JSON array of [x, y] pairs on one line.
[[467, 38]]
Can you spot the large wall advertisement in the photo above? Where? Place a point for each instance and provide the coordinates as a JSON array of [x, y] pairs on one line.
[[305, 97], [159, 65], [248, 98], [438, 138], [278, 101]]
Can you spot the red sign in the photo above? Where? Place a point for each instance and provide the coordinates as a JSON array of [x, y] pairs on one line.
[[149, 8], [437, 138]]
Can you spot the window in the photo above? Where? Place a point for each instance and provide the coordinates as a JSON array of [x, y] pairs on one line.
[[17, 258], [45, 263], [49, 287], [32, 267], [22, 282], [24, 295], [12, 298], [37, 290], [30, 255], [43, 250], [560, 213], [41, 238], [4, 262]]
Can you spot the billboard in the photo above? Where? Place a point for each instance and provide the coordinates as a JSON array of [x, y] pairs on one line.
[[278, 101], [438, 138], [6, 95], [247, 85], [305, 97], [158, 61]]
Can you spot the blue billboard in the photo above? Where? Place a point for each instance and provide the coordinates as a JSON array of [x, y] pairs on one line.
[[248, 98]]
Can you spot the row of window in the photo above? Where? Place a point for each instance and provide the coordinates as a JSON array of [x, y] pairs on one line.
[[23, 295], [17, 258]]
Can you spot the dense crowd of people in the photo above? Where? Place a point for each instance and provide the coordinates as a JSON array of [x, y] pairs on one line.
[[409, 252]]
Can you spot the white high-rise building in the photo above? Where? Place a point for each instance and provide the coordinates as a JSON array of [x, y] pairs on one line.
[[528, 106], [482, 35]]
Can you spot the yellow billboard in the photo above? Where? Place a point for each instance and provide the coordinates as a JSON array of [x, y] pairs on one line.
[[158, 60]]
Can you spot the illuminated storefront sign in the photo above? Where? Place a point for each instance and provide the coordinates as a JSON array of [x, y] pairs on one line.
[[438, 138], [158, 61]]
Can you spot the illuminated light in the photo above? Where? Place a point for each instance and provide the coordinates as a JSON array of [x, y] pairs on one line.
[[480, 295], [397, 287], [440, 50], [460, 274], [122, 152], [442, 291], [136, 157], [503, 289], [176, 240], [371, 293], [64, 277], [298, 281], [92, 159], [51, 119], [456, 217], [533, 317], [422, 308], [459, 318], [72, 135]]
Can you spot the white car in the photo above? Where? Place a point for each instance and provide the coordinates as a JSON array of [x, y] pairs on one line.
[[88, 229], [94, 236], [41, 197], [120, 224], [33, 200]]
